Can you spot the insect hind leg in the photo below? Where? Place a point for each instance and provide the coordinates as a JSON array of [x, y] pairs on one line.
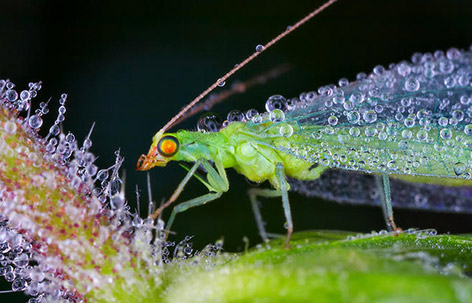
[[383, 183], [266, 193], [282, 191]]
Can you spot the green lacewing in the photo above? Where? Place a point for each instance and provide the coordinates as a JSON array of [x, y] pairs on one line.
[[409, 122]]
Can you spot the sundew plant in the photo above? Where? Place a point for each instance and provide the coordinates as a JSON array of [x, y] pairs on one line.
[[71, 230]]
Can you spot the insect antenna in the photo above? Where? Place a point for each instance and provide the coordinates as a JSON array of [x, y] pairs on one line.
[[259, 50]]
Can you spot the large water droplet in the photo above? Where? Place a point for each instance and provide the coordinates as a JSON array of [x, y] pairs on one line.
[[286, 130], [209, 122], [235, 116], [275, 102], [35, 121], [25, 95]]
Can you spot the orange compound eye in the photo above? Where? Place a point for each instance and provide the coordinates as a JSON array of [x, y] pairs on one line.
[[168, 146]]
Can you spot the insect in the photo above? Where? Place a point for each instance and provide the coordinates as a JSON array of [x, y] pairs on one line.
[[409, 122]]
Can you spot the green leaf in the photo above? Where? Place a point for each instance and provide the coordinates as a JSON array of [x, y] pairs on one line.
[[331, 266]]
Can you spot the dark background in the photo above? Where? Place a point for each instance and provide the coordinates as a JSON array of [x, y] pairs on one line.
[[131, 65]]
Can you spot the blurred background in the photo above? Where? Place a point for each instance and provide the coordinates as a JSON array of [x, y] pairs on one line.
[[130, 66]]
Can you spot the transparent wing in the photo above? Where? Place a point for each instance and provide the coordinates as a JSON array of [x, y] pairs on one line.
[[411, 119], [357, 188]]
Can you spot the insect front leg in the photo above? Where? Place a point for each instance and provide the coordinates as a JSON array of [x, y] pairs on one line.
[[217, 183], [270, 193]]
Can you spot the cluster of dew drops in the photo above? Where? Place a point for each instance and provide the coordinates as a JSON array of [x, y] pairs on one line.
[[390, 102], [77, 164], [275, 106], [17, 263]]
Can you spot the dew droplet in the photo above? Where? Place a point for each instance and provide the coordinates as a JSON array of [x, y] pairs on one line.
[[62, 110], [353, 117], [450, 82], [445, 133], [275, 102], [369, 116], [354, 131], [446, 66], [458, 115], [356, 97], [343, 82], [370, 131], [102, 175], [286, 130], [443, 121], [257, 119], [468, 129], [412, 84], [333, 120], [251, 113], [235, 116], [35, 121], [25, 95], [70, 138], [459, 168], [348, 105], [87, 143], [409, 122], [277, 116], [11, 95], [422, 135], [10, 127], [209, 122], [220, 82], [406, 134], [259, 48], [18, 284]]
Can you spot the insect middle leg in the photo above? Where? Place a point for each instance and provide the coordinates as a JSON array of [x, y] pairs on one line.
[[282, 191]]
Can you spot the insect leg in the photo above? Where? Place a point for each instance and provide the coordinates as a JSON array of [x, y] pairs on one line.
[[267, 193], [189, 204], [178, 190], [279, 171], [383, 203], [217, 184], [387, 204]]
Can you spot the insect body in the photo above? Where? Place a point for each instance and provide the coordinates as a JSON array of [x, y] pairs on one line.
[[412, 122]]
